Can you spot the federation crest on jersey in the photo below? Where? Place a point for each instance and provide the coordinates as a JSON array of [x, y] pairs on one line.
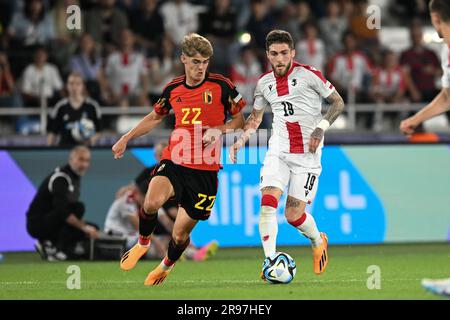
[[207, 97]]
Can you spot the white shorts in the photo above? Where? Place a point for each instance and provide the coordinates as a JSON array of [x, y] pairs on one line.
[[298, 171]]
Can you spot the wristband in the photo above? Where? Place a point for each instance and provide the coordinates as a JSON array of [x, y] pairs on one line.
[[323, 124]]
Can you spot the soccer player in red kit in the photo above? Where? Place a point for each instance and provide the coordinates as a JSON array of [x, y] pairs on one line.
[[188, 171]]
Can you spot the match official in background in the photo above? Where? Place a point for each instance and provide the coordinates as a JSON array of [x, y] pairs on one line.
[[75, 120], [55, 216]]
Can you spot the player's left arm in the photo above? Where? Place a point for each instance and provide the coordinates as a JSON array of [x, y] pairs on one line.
[[337, 105]]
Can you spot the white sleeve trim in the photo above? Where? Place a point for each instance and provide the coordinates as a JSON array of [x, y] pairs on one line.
[[58, 174]]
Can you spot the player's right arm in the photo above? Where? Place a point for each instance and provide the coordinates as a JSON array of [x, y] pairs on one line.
[[251, 125], [253, 121], [439, 105], [144, 126]]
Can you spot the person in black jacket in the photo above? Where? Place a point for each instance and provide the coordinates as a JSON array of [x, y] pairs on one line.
[[55, 216], [75, 120]]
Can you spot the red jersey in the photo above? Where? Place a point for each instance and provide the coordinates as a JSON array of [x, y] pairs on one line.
[[197, 108]]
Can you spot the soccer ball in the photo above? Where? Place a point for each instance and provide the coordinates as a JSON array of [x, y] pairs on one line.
[[279, 268], [83, 130]]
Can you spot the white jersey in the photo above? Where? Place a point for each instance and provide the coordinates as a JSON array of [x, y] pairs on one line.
[[296, 102], [124, 71], [445, 60], [117, 219], [312, 52]]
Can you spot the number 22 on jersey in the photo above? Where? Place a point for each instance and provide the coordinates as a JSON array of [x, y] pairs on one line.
[[190, 115]]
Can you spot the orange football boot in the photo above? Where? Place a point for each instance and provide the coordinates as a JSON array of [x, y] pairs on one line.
[[132, 256], [320, 255], [157, 276]]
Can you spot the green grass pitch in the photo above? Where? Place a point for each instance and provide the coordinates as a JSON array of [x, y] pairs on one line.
[[233, 274]]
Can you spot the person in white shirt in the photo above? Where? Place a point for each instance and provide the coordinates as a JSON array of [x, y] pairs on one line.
[[332, 27], [124, 81], [294, 92], [180, 18], [41, 79], [348, 69], [311, 49], [440, 17], [123, 220]]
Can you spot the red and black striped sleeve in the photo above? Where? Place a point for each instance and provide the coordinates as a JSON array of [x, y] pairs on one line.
[[163, 106], [231, 98]]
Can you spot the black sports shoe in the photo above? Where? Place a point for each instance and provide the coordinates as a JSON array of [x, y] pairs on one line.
[[39, 246], [49, 252]]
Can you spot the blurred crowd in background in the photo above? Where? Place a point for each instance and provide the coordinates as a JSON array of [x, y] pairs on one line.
[[127, 50]]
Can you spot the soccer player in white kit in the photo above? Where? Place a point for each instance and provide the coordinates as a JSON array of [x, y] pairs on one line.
[[440, 17], [294, 93]]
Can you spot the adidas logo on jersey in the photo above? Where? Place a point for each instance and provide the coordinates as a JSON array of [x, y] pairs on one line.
[[306, 193], [294, 82], [270, 87], [179, 99]]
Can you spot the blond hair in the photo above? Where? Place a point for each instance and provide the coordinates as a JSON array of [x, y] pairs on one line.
[[194, 43]]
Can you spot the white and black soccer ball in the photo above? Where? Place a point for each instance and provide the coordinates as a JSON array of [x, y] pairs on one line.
[[83, 130], [279, 268]]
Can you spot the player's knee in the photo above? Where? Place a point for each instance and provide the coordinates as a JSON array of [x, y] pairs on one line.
[[179, 238], [291, 214], [152, 205]]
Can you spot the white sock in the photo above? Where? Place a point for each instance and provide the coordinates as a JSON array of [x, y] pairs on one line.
[[309, 229], [268, 229]]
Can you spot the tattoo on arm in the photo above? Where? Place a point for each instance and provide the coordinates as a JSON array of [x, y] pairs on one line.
[[252, 123], [254, 119], [317, 134], [336, 107]]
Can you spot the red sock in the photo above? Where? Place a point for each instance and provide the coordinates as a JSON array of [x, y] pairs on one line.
[[144, 241], [167, 262]]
